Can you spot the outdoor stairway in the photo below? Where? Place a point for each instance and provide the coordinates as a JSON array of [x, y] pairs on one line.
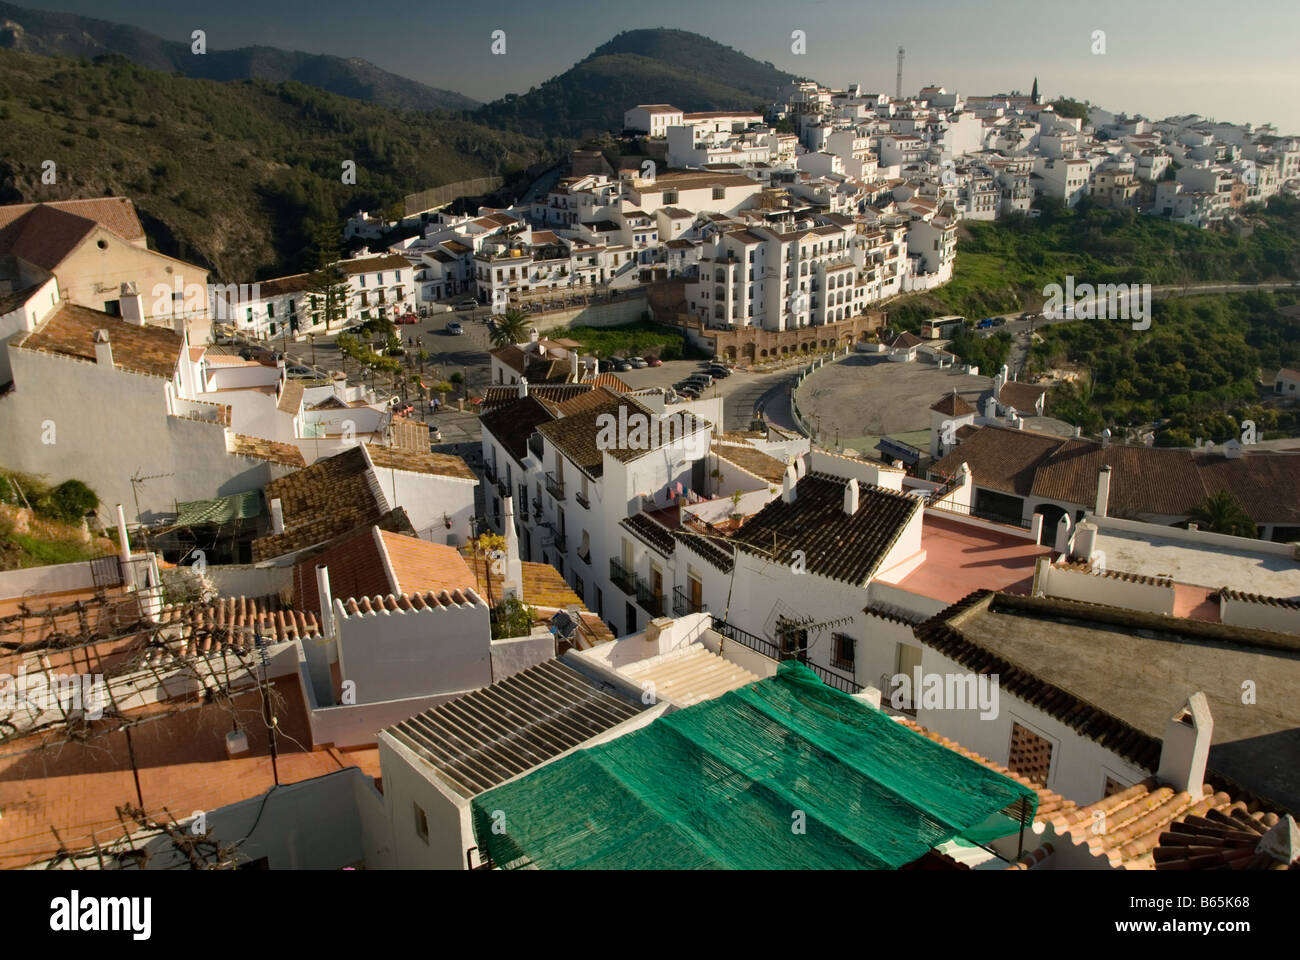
[[689, 675]]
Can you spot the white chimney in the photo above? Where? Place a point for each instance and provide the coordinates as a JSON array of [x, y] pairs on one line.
[[851, 497], [991, 408], [512, 584], [1085, 541], [573, 367], [788, 484], [800, 468], [1186, 746], [132, 305], [1103, 491], [1105, 438], [277, 516], [326, 600], [533, 335], [123, 541], [1062, 533], [103, 349], [523, 386]]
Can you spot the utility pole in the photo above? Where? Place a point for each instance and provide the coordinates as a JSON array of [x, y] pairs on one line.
[[898, 80]]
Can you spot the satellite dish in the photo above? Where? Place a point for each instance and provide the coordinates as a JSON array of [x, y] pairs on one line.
[[564, 625]]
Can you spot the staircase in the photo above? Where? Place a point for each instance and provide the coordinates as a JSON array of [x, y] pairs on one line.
[[689, 675]]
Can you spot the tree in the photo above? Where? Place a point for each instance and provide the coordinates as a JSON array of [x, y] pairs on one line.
[[511, 327], [458, 381], [491, 549], [327, 285], [1221, 512]]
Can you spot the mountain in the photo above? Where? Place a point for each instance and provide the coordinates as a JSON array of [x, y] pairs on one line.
[[237, 175], [51, 33], [638, 66]]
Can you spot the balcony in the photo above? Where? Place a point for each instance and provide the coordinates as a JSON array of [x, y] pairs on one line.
[[503, 489], [559, 541], [649, 601], [537, 507], [586, 504], [682, 604], [555, 486], [621, 576], [490, 472]]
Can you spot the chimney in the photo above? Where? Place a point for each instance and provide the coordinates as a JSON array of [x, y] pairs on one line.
[[277, 516], [1105, 438], [851, 497], [788, 484], [132, 305], [991, 408], [523, 387], [1062, 533], [123, 541], [573, 367], [512, 584], [1103, 491], [103, 349], [800, 468], [1186, 746], [326, 599], [1085, 541]]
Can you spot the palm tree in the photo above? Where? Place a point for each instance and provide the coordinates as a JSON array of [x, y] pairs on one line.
[[511, 327], [1220, 512]]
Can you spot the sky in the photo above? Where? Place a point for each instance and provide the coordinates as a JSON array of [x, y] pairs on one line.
[[1228, 61]]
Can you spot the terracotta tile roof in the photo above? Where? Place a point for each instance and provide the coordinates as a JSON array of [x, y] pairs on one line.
[[650, 532], [116, 213], [905, 340], [610, 382], [406, 434], [356, 568], [750, 459], [70, 330], [1085, 567], [436, 464], [270, 450], [588, 399], [543, 588], [718, 553], [1065, 657], [45, 236], [952, 405], [1151, 826], [513, 424], [496, 397], [837, 545], [235, 623], [1022, 396], [329, 403], [391, 261], [423, 567], [332, 496], [1145, 481], [1284, 602], [290, 397]]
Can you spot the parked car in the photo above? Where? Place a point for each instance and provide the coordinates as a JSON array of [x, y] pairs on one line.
[[719, 372], [653, 362], [619, 364], [455, 329], [299, 371], [690, 392], [467, 305], [999, 321], [637, 363], [406, 318], [404, 409], [984, 324], [703, 379]]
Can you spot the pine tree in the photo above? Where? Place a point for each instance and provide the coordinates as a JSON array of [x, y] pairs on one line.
[[327, 285]]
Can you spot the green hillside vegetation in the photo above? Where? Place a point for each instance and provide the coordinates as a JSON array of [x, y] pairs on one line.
[[55, 34], [1004, 266], [640, 66], [643, 338], [1196, 368], [236, 176]]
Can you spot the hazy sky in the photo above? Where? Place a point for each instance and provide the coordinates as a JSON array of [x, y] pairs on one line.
[[1230, 61]]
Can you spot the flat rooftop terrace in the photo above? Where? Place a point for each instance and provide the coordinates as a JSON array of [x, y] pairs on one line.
[[1202, 565], [961, 558]]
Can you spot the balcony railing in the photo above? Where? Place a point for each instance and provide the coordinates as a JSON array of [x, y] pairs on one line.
[[621, 576], [682, 604], [537, 507], [559, 541], [770, 650], [649, 601], [490, 472], [586, 504], [554, 486], [503, 488]]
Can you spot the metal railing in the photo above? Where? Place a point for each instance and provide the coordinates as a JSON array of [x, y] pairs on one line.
[[647, 599], [490, 473], [554, 486], [621, 576], [682, 604], [772, 651], [586, 504]]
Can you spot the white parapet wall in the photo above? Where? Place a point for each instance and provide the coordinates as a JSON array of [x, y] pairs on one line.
[[1261, 613], [1112, 588]]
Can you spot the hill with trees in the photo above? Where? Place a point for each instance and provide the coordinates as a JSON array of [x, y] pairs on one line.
[[237, 176]]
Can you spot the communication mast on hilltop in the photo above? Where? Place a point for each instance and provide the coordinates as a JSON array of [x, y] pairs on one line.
[[898, 79]]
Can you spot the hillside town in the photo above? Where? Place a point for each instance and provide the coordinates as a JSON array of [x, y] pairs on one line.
[[386, 568]]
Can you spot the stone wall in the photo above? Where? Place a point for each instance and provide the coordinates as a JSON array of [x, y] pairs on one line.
[[750, 344]]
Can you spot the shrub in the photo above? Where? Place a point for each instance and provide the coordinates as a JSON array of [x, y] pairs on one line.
[[69, 502]]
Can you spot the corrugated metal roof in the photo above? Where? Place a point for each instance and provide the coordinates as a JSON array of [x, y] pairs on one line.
[[237, 506]]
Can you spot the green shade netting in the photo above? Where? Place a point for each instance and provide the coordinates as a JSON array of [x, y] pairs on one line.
[[237, 506], [726, 784]]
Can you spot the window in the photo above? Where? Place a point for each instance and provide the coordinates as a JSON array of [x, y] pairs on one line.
[[362, 278], [1031, 755], [842, 651], [421, 823], [1112, 787]]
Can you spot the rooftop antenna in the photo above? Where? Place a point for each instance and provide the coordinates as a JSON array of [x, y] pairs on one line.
[[898, 79]]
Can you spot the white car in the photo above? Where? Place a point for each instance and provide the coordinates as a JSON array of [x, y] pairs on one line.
[[637, 363]]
